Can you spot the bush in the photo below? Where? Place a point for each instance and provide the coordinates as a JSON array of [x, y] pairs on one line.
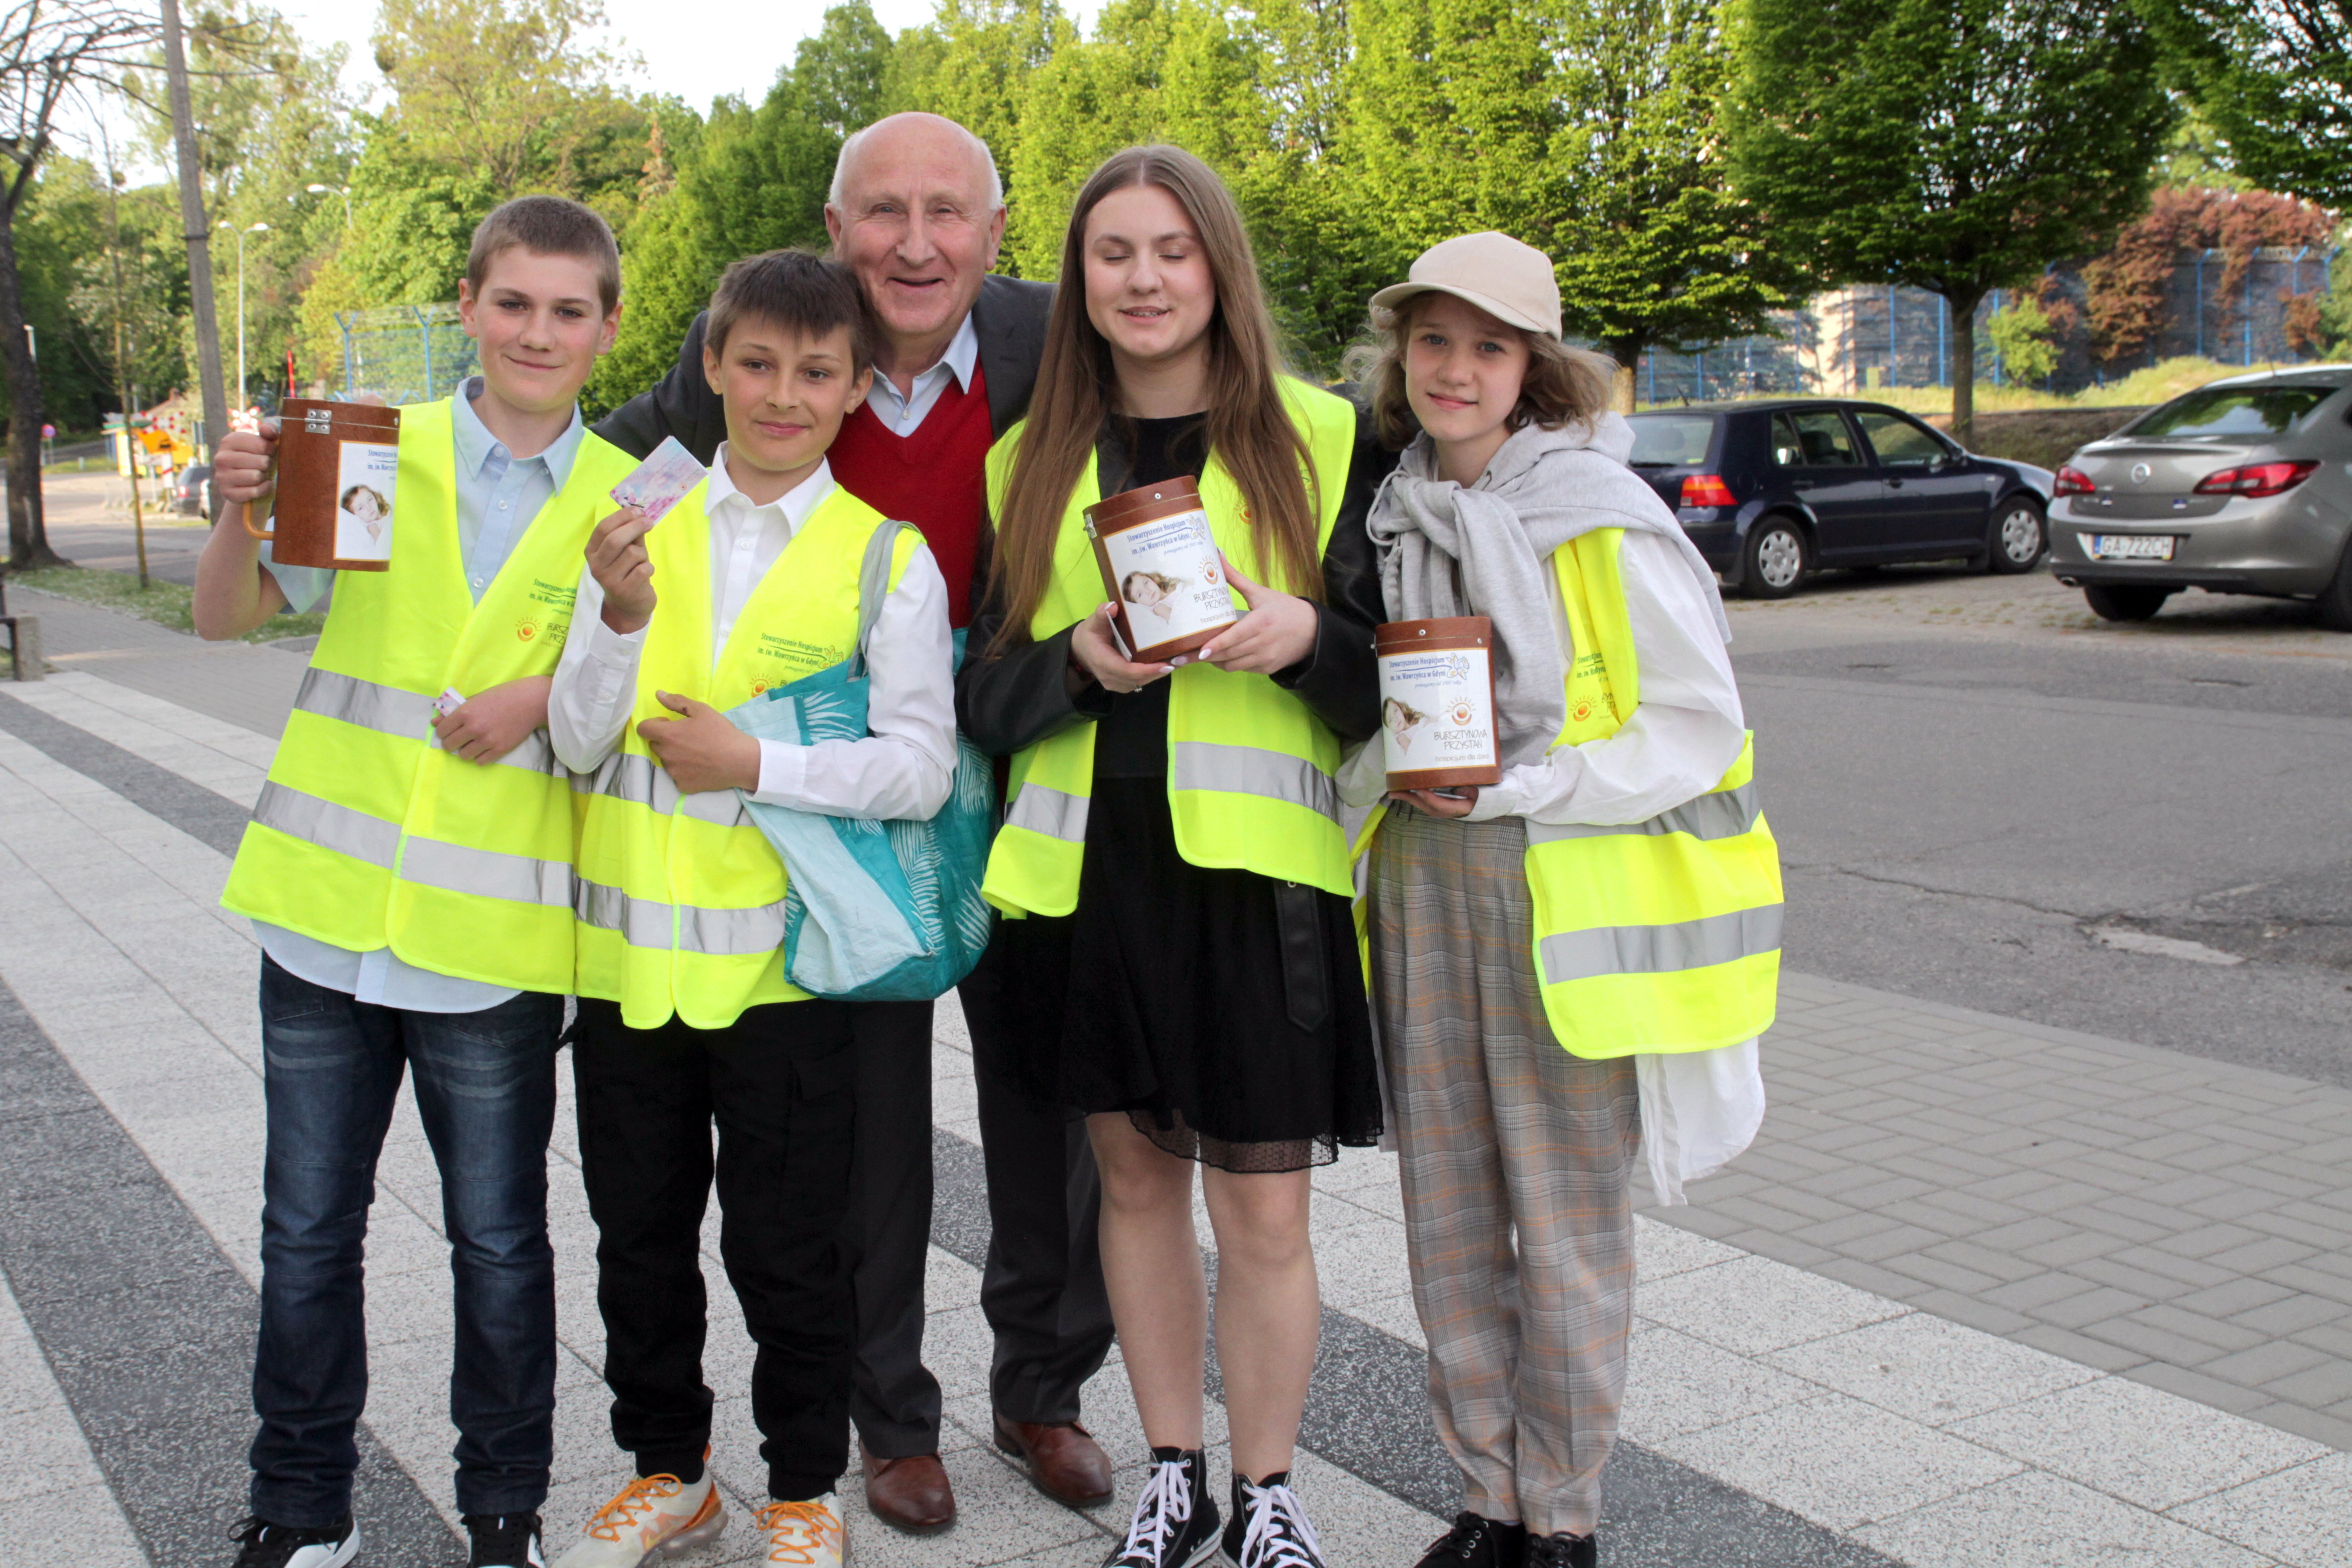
[[2022, 335]]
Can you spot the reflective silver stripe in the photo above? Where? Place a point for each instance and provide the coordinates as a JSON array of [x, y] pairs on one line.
[[384, 709], [1250, 770], [731, 932], [1660, 950], [1726, 814], [486, 873], [1055, 813], [536, 754], [625, 776], [644, 922], [327, 825]]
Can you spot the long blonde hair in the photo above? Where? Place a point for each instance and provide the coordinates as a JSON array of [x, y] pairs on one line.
[[1249, 428]]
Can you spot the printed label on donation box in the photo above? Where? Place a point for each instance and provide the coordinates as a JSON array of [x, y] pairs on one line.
[[1437, 716], [1171, 583], [363, 492]]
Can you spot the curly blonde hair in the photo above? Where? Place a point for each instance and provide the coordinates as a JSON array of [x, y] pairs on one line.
[[1564, 386]]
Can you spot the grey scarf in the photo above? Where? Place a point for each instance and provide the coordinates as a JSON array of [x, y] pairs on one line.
[[1484, 551]]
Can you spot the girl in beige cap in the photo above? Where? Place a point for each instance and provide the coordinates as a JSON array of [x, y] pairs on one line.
[[1570, 967]]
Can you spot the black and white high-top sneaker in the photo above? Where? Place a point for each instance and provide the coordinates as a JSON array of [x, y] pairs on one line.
[[503, 1540], [266, 1545], [1269, 1527], [1175, 1522]]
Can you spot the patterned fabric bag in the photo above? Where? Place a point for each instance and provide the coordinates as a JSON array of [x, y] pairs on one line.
[[875, 912]]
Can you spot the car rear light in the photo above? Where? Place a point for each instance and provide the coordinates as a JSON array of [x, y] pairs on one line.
[[2073, 481], [1707, 489], [2257, 479]]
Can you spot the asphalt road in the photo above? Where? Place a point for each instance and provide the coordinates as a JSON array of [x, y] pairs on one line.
[[1971, 776], [1980, 791], [89, 517]]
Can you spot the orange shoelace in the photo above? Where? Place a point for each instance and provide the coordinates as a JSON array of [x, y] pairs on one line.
[[621, 1514], [815, 1522]]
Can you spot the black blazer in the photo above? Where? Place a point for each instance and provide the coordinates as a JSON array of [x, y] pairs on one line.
[[1009, 318]]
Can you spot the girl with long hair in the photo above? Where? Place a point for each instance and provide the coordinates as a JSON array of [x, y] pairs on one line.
[[1177, 959], [1570, 966]]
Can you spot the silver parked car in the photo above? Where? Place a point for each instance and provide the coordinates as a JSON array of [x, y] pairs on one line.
[[2243, 486]]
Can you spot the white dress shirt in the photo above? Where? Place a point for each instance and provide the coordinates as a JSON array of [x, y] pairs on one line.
[[906, 765], [499, 495], [1699, 1109], [904, 413]]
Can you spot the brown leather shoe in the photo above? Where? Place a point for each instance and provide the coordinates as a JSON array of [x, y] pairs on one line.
[[910, 1494], [1065, 1461]]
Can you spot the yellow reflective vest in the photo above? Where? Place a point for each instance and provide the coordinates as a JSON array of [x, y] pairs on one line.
[[1251, 770], [680, 907], [367, 833], [1662, 935]]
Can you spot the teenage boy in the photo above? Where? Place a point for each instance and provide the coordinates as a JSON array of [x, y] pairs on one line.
[[685, 1014], [408, 875]]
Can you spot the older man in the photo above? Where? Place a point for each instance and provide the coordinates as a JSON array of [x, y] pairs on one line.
[[917, 211]]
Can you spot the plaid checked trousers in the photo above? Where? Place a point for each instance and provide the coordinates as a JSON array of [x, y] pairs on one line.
[[1503, 1135]]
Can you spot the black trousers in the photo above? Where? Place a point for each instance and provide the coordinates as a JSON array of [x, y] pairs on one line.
[[1042, 1288], [778, 1084], [894, 1400]]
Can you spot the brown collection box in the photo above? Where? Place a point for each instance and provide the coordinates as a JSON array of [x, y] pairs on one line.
[[1161, 569], [336, 467], [1437, 702]]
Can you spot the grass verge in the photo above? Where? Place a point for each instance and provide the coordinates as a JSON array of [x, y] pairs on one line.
[[165, 603]]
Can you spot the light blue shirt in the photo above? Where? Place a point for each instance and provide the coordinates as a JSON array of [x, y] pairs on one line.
[[905, 413], [498, 496]]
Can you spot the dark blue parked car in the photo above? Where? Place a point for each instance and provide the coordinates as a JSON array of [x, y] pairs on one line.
[[1771, 489]]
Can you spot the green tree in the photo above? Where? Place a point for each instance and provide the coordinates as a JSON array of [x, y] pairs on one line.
[[1955, 145], [1654, 251], [2273, 78], [2022, 335], [1086, 102], [751, 180]]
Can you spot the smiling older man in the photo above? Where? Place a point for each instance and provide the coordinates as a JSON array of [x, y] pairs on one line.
[[917, 211]]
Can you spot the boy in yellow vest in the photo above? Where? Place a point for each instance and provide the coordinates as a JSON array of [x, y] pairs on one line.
[[408, 874], [685, 1014]]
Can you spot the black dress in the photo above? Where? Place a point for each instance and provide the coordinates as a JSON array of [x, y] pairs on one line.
[[1223, 1010]]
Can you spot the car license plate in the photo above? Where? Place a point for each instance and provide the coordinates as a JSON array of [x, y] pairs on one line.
[[2131, 547]]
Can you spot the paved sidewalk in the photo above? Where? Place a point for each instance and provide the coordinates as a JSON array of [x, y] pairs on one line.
[[2186, 1222], [1856, 1349]]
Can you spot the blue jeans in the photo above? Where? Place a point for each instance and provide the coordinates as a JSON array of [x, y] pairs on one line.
[[485, 1094]]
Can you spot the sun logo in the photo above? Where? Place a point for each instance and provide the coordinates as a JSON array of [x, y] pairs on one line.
[[759, 687], [1464, 713], [527, 631], [1584, 709]]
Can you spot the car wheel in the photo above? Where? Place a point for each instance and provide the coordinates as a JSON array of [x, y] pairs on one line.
[[2336, 600], [2017, 538], [1777, 558], [2125, 601]]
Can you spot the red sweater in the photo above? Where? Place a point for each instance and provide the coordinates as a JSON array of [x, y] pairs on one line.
[[935, 478]]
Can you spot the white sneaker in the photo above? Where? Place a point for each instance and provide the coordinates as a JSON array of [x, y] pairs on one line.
[[805, 1535], [653, 1516]]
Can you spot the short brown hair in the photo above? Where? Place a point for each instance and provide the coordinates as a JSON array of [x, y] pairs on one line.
[[551, 225], [800, 291], [1564, 386]]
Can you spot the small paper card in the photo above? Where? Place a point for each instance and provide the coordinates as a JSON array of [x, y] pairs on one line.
[[449, 701], [656, 484]]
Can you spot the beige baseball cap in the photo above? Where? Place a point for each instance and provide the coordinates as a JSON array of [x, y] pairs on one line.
[[1509, 281]]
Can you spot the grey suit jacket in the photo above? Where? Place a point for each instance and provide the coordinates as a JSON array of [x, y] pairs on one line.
[[1009, 319]]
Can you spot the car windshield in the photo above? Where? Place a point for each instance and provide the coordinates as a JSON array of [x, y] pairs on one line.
[[1670, 440], [2233, 411]]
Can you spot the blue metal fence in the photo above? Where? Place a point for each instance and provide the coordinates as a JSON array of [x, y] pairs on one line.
[[405, 353]]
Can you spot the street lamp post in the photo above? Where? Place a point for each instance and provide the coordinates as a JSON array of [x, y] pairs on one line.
[[255, 229], [343, 191]]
